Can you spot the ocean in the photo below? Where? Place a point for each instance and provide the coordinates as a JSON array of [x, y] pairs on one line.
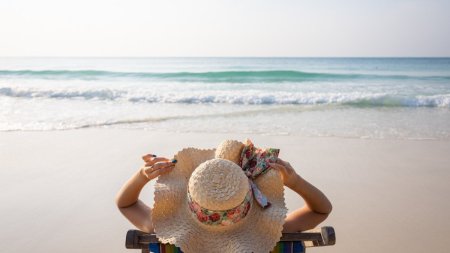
[[376, 98]]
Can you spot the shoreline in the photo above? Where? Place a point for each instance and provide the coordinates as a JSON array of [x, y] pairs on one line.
[[168, 132]]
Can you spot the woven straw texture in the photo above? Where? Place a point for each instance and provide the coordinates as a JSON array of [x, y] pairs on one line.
[[207, 188], [258, 232], [230, 150]]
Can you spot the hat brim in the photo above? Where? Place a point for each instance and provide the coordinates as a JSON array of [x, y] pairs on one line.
[[174, 223]]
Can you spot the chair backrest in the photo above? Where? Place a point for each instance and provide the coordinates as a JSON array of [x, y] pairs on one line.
[[281, 247], [289, 242]]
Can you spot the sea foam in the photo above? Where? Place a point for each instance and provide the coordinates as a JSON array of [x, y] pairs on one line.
[[248, 97], [347, 97]]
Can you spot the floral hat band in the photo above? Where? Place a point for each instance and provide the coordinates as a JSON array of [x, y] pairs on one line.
[[221, 217], [255, 161]]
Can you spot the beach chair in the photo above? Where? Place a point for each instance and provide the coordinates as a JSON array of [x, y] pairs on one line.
[[289, 242]]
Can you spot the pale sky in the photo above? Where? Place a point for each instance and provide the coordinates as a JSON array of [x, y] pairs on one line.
[[225, 28]]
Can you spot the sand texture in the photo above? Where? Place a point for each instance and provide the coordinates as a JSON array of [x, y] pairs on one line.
[[57, 188]]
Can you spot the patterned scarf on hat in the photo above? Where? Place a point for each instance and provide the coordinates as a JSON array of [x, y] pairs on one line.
[[255, 161]]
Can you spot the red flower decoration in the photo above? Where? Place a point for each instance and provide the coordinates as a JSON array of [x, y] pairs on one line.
[[201, 217], [247, 207], [230, 214], [214, 217]]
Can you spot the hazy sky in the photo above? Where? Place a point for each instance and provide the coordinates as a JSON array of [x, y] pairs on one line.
[[225, 28]]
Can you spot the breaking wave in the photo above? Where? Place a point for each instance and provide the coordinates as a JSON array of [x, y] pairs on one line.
[[362, 99]]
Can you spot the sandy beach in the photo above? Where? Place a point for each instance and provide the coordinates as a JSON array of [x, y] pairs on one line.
[[57, 188], [355, 94]]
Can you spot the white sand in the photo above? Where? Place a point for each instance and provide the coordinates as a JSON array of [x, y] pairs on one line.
[[57, 188]]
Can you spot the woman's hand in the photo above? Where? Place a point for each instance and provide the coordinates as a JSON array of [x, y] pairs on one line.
[[156, 166], [288, 175]]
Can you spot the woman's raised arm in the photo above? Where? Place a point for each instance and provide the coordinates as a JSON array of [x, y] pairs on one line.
[[317, 206], [127, 199]]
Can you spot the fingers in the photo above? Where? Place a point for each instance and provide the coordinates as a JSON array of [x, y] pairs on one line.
[[288, 174], [155, 160], [283, 166], [278, 167], [282, 162], [148, 157], [158, 168], [151, 159]]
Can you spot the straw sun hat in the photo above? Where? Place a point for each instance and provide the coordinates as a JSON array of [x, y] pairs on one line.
[[221, 200]]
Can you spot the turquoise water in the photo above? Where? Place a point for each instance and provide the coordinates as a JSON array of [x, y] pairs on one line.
[[343, 97]]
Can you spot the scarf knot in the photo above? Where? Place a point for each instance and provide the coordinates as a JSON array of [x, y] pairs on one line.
[[254, 162]]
